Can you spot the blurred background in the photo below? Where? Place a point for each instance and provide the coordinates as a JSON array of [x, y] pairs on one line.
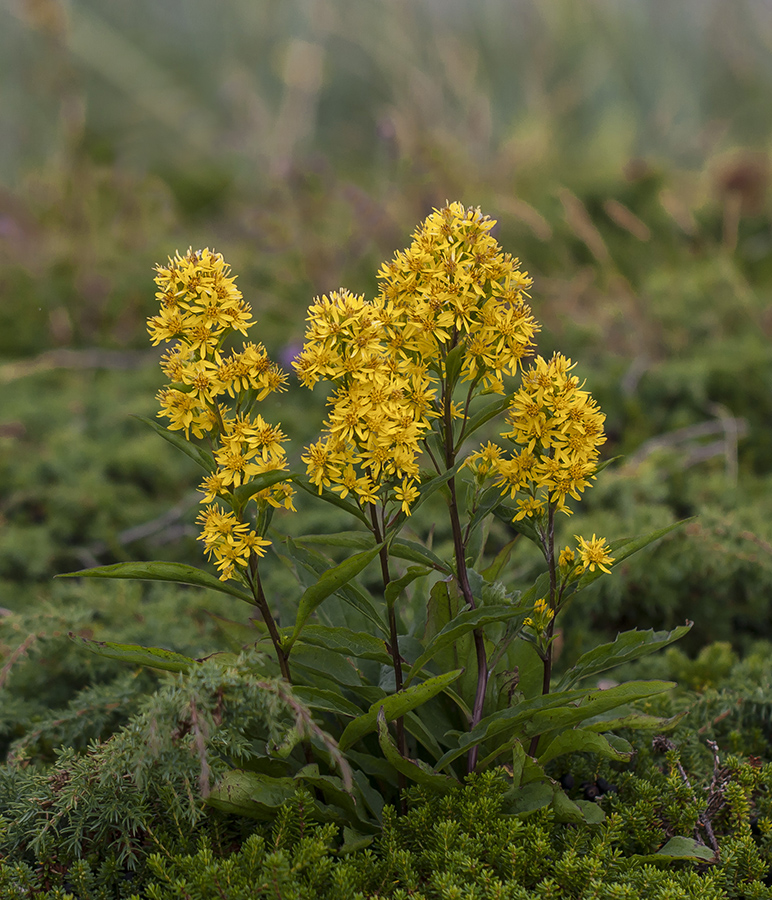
[[624, 149]]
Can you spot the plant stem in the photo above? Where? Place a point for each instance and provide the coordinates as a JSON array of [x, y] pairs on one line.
[[273, 631], [396, 659], [547, 661], [459, 549]]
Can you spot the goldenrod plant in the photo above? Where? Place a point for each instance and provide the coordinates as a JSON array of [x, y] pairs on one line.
[[445, 670]]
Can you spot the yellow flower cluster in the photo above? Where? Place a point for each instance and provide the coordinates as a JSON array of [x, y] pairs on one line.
[[452, 288], [454, 285], [542, 616], [228, 540], [557, 427], [200, 308], [378, 410]]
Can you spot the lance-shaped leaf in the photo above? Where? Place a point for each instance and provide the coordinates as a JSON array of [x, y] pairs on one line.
[[394, 706], [631, 718], [352, 540], [625, 648], [429, 487], [415, 770], [251, 794], [260, 483], [313, 564], [552, 711], [136, 655], [415, 552], [395, 588], [326, 701], [678, 848], [329, 583], [333, 499], [178, 573], [358, 644], [580, 740], [488, 412], [200, 456], [624, 547], [460, 625]]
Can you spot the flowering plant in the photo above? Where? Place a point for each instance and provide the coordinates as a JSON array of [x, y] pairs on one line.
[[445, 347]]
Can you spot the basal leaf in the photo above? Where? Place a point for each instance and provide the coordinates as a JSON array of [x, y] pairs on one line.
[[394, 706], [678, 848], [136, 655], [200, 456], [179, 573], [326, 701]]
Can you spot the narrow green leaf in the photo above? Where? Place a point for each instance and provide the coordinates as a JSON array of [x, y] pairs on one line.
[[353, 540], [330, 582], [394, 706], [580, 740], [415, 552], [332, 499], [462, 624], [541, 715], [624, 547], [678, 848], [633, 719], [200, 456], [626, 647], [136, 655], [488, 412], [395, 588], [358, 644], [327, 701], [325, 664], [179, 573], [429, 487], [415, 770], [502, 558], [260, 483]]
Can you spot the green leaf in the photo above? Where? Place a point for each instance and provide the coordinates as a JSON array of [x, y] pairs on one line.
[[353, 540], [625, 648], [624, 547], [529, 798], [200, 456], [333, 499], [632, 719], [592, 812], [580, 740], [330, 582], [415, 552], [326, 701], [325, 663], [678, 848], [415, 770], [260, 483], [315, 564], [395, 588], [459, 625], [453, 363], [502, 558], [358, 644], [178, 573], [540, 715], [136, 655], [251, 794], [429, 487], [488, 412], [394, 706], [239, 634]]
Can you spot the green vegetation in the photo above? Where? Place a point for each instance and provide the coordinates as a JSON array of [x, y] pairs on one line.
[[625, 154]]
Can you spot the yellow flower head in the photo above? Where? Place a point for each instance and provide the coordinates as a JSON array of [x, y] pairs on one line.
[[594, 553]]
